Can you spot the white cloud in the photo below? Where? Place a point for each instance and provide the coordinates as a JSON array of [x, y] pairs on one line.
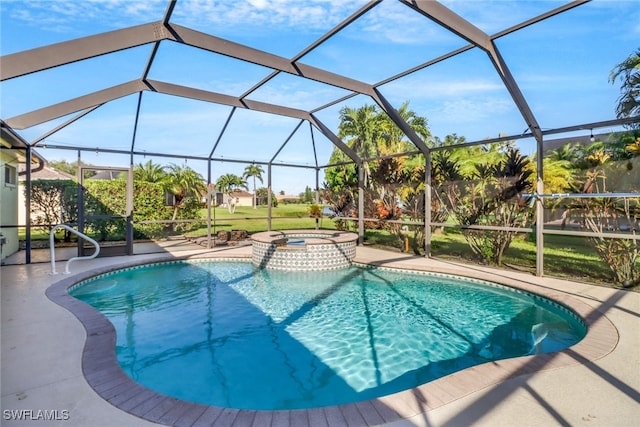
[[416, 89], [294, 14], [65, 16]]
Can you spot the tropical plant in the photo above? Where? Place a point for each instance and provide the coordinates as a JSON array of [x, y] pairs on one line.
[[362, 129], [604, 214], [262, 195], [393, 139], [372, 133], [227, 184], [186, 185], [315, 211], [340, 191], [568, 152], [600, 215], [253, 171], [341, 203], [633, 148], [629, 102], [388, 179], [493, 196], [149, 172]]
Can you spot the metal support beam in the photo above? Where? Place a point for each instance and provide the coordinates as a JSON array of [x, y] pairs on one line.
[[27, 202], [539, 210], [502, 33], [63, 125], [316, 199], [286, 141], [317, 196], [129, 207], [231, 49], [74, 105], [218, 98], [399, 121], [315, 44], [169, 11], [269, 198], [451, 21], [427, 204], [517, 96], [224, 128], [100, 97], [313, 145], [360, 203], [456, 24], [334, 138], [54, 55], [135, 124]]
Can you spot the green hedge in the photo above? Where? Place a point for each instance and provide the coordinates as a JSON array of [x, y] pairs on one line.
[[55, 201], [109, 198]]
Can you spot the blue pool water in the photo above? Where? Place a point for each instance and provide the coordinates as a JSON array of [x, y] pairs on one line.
[[231, 335]]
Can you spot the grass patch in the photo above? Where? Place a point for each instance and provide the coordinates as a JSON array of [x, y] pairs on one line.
[[283, 217], [568, 257]]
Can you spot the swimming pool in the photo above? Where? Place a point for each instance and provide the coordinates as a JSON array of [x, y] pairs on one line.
[[231, 335]]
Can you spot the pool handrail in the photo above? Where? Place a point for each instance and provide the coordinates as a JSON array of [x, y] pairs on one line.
[[53, 249]]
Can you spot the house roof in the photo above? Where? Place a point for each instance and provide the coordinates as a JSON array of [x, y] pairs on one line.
[[9, 138], [241, 193], [47, 172]]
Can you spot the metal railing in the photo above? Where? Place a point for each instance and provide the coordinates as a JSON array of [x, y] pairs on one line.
[[53, 249]]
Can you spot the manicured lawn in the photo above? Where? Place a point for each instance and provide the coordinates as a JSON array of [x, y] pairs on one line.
[[564, 256], [284, 216]]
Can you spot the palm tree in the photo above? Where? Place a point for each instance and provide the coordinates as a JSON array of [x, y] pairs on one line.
[[568, 152], [182, 181], [254, 171], [362, 127], [149, 172], [393, 138], [629, 101], [229, 183]]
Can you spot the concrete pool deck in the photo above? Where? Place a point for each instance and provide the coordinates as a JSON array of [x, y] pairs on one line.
[[595, 383]]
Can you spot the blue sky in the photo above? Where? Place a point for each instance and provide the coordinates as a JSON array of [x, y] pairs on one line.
[[561, 65]]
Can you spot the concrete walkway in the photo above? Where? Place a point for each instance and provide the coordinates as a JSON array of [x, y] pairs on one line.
[[595, 383]]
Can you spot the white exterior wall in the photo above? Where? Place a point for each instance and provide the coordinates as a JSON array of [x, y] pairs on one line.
[[8, 204], [244, 201]]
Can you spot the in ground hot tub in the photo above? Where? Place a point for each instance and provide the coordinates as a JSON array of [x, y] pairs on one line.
[[304, 249]]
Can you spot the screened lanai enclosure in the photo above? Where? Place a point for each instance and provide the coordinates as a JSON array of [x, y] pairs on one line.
[[484, 131]]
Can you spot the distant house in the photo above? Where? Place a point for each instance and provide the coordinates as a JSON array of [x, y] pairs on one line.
[[242, 198]]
